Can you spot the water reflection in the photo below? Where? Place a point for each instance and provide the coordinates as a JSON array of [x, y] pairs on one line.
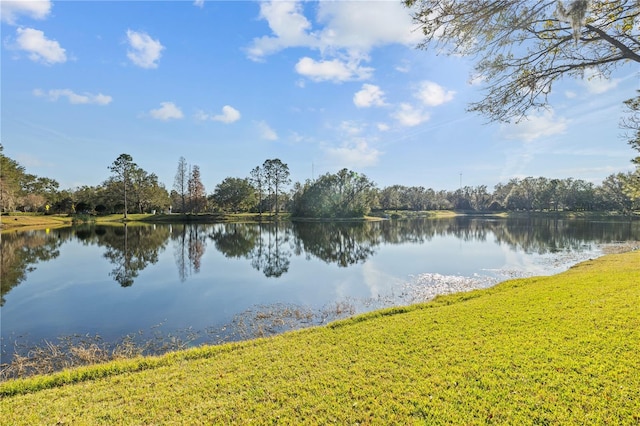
[[190, 243], [20, 252], [267, 245], [270, 247], [131, 249], [271, 254], [343, 244]]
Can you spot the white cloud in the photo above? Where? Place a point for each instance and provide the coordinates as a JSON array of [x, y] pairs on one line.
[[535, 127], [143, 50], [39, 47], [404, 68], [74, 98], [298, 138], [229, 115], [369, 95], [198, 3], [347, 25], [383, 127], [432, 94], [347, 32], [332, 70], [266, 132], [167, 111], [592, 152], [350, 128], [354, 154], [10, 10], [202, 116], [596, 83], [361, 26], [288, 25], [409, 116]]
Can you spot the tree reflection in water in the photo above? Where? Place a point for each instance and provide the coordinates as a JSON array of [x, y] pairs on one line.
[[20, 251], [236, 240], [265, 244], [342, 243], [270, 246], [190, 244], [131, 249]]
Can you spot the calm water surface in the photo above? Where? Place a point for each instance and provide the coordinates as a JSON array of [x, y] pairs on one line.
[[117, 280]]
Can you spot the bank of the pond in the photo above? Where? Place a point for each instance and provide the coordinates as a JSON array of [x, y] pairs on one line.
[[10, 222], [544, 350], [23, 221]]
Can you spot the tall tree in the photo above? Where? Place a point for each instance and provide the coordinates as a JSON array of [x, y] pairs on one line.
[[180, 183], [276, 177], [257, 180], [523, 47], [197, 193], [122, 168], [613, 193]]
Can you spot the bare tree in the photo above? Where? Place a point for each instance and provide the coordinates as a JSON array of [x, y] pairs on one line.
[[180, 183], [257, 179]]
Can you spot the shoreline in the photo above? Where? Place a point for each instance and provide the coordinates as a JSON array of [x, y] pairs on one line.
[[265, 321], [532, 345], [26, 221]]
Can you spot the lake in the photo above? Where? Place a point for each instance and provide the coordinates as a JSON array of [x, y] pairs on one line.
[[221, 282]]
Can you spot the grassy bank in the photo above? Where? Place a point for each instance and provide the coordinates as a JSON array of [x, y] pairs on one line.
[[25, 221], [31, 221], [543, 350], [38, 221], [16, 221]]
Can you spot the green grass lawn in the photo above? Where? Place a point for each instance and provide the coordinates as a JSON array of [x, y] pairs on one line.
[[554, 350]]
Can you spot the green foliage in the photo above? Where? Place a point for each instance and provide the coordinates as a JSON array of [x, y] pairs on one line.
[[341, 195], [130, 188], [345, 194], [542, 350], [276, 177], [21, 190], [122, 168], [235, 195]]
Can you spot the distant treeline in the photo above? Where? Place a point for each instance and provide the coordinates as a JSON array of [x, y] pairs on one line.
[[268, 189]]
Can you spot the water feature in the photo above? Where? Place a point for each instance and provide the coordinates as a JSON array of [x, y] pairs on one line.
[[229, 281]]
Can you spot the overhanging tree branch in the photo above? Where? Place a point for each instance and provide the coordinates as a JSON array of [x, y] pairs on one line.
[[522, 47]]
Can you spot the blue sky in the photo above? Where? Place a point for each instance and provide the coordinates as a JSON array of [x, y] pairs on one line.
[[320, 85]]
